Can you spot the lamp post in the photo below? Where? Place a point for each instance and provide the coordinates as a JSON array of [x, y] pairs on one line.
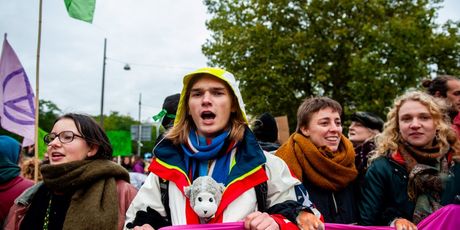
[[103, 82], [139, 143], [104, 60]]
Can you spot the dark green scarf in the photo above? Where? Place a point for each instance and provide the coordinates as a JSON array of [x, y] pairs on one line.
[[93, 184]]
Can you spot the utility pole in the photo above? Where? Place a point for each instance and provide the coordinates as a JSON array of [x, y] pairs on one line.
[[139, 143]]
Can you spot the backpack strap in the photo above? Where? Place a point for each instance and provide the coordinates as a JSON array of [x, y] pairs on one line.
[[261, 195], [164, 184]]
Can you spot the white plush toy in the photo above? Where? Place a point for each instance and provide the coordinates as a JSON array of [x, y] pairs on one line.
[[204, 194]]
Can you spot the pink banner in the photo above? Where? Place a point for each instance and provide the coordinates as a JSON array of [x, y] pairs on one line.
[[445, 218], [355, 227], [222, 226]]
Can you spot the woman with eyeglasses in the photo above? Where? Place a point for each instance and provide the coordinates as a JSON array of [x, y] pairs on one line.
[[82, 188], [416, 167]]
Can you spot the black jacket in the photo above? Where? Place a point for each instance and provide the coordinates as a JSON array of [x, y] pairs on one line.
[[336, 207]]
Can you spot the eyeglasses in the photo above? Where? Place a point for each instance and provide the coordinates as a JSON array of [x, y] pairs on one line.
[[64, 137]]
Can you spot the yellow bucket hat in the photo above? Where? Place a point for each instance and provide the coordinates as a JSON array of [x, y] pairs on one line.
[[216, 72]]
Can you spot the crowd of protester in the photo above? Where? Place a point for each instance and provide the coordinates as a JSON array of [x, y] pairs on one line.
[[385, 172]]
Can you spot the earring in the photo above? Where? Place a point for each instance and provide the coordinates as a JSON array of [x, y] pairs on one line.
[[436, 136]]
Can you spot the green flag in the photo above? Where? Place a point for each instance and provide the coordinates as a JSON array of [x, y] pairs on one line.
[[121, 142], [81, 9], [41, 144]]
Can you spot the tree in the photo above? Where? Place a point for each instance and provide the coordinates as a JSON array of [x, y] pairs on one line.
[[48, 113], [117, 122], [360, 53]]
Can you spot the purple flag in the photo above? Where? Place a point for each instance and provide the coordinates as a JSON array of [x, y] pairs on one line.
[[17, 108]]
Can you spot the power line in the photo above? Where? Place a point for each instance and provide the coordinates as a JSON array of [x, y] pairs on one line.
[[152, 65]]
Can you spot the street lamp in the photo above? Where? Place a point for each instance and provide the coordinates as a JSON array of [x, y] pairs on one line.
[[103, 82], [139, 143], [126, 67]]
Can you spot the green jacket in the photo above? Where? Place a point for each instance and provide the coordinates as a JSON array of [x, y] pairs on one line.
[[384, 192]]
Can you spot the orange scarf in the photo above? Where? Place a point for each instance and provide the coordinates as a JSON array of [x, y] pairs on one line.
[[326, 169]]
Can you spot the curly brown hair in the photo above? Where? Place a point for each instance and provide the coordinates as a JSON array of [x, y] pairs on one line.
[[387, 142]]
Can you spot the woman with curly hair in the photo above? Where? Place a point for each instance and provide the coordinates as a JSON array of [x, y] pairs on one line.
[[415, 169]]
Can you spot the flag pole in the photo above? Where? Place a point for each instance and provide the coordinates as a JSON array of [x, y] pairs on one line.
[[37, 81]]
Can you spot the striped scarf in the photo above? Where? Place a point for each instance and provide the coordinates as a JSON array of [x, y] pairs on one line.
[[198, 155]]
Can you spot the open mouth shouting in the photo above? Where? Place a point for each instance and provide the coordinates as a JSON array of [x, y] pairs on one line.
[[208, 116]]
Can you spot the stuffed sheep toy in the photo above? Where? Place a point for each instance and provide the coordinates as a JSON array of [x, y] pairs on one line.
[[204, 194]]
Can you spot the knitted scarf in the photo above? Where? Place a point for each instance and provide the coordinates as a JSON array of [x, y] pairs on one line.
[[426, 167], [198, 153], [93, 185], [324, 168]]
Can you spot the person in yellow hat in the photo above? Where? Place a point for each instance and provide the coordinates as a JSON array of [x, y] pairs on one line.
[[211, 137]]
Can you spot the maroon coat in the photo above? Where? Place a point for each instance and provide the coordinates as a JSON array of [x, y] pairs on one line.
[[8, 193]]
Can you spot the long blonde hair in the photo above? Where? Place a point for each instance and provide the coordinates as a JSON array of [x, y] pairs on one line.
[[178, 134], [387, 142]]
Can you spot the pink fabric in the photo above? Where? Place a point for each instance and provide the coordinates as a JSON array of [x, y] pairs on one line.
[[330, 226], [222, 226], [447, 217]]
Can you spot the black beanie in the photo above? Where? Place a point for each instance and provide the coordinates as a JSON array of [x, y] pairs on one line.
[[368, 120], [170, 105], [265, 128]]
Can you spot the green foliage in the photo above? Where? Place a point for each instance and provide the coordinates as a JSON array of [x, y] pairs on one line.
[[116, 121], [360, 53], [48, 113]]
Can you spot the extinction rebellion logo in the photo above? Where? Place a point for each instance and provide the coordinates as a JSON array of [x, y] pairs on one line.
[[19, 105]]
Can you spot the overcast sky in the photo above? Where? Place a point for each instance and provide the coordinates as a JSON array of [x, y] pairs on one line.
[[160, 39]]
